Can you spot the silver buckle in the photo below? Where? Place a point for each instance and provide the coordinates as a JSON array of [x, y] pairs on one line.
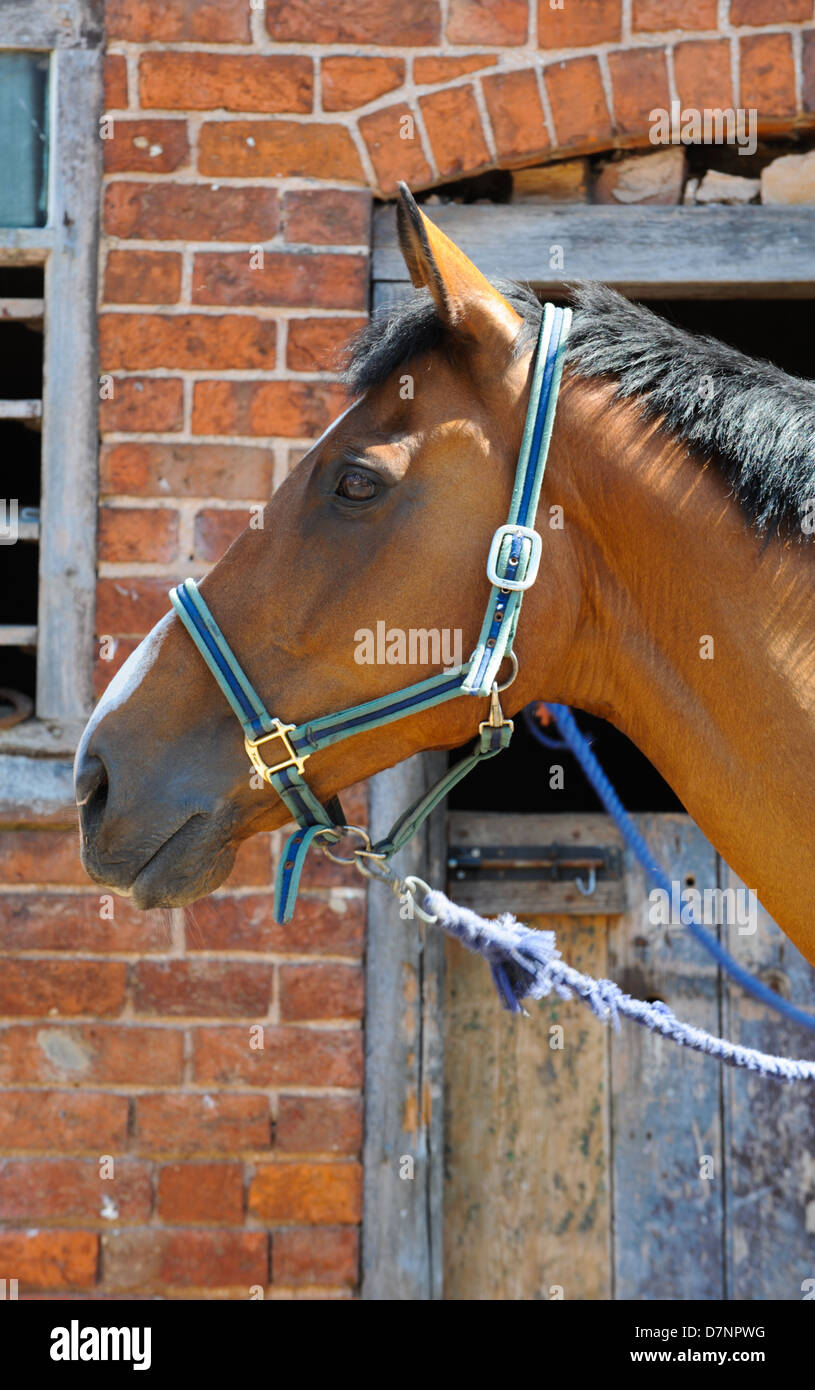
[[533, 564]]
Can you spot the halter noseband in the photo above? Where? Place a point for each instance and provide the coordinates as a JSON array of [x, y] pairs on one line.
[[512, 567]]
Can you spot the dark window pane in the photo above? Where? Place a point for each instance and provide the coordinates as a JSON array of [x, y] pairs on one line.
[[24, 139]]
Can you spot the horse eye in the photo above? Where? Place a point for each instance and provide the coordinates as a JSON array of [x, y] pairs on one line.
[[356, 486]]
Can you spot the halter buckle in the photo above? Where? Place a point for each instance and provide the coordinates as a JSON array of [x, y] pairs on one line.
[[292, 759], [532, 565]]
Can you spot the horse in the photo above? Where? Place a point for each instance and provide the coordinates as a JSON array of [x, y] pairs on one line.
[[674, 597]]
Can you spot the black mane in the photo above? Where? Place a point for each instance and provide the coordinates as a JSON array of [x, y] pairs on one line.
[[755, 421]]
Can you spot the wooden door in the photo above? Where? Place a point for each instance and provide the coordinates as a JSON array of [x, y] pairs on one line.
[[586, 1164]]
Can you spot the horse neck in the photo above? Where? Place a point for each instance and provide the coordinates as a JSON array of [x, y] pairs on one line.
[[666, 562]]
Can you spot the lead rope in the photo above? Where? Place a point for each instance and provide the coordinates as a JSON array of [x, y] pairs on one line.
[[526, 964]]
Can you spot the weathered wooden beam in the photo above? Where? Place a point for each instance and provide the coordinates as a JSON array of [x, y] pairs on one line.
[[36, 789], [403, 1151], [51, 23], [17, 635], [20, 410], [22, 310], [676, 252]]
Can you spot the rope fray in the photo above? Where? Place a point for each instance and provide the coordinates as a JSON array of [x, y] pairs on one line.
[[526, 964]]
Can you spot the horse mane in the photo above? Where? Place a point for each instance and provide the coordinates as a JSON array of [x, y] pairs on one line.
[[753, 420]]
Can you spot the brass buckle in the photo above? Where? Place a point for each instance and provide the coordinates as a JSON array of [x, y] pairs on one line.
[[280, 731], [496, 719]]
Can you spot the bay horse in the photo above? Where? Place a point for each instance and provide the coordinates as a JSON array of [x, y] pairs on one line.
[[674, 597]]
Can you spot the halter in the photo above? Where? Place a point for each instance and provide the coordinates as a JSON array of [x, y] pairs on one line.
[[512, 567]]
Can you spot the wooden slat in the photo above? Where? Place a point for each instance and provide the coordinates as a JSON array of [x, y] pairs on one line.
[[18, 636], [70, 404], [20, 410], [538, 896], [526, 1204], [26, 245], [681, 252], [666, 1102], [401, 1246], [25, 310], [771, 1127], [50, 23]]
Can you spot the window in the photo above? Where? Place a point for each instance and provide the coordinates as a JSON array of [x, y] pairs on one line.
[[50, 105]]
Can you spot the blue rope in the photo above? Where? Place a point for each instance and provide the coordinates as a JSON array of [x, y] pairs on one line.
[[579, 746], [526, 964]]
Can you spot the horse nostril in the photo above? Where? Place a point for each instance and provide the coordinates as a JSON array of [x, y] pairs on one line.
[[91, 788]]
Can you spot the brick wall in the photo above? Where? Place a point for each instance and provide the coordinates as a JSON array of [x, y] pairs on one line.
[[233, 128]]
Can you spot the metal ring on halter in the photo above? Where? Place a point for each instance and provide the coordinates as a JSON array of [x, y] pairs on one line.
[[346, 830], [510, 656], [411, 883], [381, 872]]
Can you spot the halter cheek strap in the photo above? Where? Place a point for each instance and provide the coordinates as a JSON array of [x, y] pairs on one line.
[[278, 751]]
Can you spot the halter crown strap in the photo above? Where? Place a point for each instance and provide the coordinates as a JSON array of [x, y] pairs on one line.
[[278, 751]]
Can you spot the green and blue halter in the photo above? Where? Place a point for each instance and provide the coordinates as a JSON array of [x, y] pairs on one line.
[[512, 567]]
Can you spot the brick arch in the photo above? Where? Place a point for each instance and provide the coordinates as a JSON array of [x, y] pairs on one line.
[[519, 82]]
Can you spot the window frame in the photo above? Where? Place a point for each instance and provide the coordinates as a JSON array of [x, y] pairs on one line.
[[71, 31]]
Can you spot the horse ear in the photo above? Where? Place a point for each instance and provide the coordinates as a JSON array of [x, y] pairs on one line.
[[464, 298]]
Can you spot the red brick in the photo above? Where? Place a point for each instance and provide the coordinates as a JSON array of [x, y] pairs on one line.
[[208, 81], [315, 1256], [350, 82], [579, 26], [146, 146], [290, 1056], [138, 533], [676, 14], [319, 345], [319, 1193], [320, 992], [502, 22], [137, 1261], [702, 72], [105, 668], [444, 68], [130, 606], [323, 280], [63, 1121], [115, 79], [768, 75], [411, 24], [96, 1054], [768, 11], [49, 1259], [200, 1192], [192, 341], [40, 856], [393, 157], [142, 277], [197, 987], [138, 403], [191, 212], [174, 21], [292, 409], [247, 924], [253, 863], [453, 124], [72, 922], [278, 149], [60, 1189], [809, 70], [319, 1124], [639, 79], [216, 529], [34, 988], [578, 103], [189, 1123], [186, 470], [516, 114], [327, 217]]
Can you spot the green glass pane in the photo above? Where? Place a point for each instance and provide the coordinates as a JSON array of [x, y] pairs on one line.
[[23, 139]]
